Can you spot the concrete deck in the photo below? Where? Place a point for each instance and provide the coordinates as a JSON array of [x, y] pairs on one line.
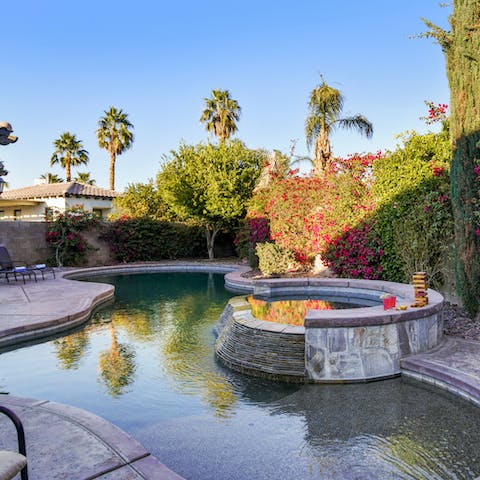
[[64, 442], [42, 308]]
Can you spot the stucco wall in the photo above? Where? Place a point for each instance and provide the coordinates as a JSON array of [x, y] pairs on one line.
[[36, 212]]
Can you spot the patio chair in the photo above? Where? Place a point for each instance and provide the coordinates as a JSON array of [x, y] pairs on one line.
[[9, 267], [13, 463]]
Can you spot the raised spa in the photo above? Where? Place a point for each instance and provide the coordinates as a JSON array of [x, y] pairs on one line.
[[332, 345]]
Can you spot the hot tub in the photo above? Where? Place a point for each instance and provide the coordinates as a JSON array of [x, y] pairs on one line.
[[347, 345]]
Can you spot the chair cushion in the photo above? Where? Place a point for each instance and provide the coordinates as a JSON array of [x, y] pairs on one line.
[[11, 463]]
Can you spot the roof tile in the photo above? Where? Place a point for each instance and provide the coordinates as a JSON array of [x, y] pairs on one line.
[[68, 189]]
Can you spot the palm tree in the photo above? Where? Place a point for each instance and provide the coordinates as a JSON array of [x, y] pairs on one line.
[[325, 107], [51, 177], [114, 135], [69, 152], [84, 177], [221, 114]]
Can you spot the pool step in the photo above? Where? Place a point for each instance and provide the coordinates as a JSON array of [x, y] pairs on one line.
[[453, 366]]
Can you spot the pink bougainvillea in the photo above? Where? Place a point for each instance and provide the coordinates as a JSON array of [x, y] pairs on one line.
[[356, 254], [436, 112], [306, 214]]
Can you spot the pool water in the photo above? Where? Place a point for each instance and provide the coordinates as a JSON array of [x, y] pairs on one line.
[[292, 311], [146, 363]]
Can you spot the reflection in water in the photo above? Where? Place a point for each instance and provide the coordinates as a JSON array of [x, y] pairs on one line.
[[186, 354], [117, 365], [291, 311], [70, 349], [153, 352], [177, 322]]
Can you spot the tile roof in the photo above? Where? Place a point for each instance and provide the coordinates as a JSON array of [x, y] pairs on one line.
[[68, 189]]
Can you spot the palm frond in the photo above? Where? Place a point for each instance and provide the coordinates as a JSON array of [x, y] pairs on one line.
[[221, 114], [358, 123]]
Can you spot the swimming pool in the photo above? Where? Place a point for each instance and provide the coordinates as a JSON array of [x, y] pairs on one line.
[[146, 364]]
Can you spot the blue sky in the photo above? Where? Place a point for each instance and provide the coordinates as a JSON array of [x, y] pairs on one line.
[[66, 62]]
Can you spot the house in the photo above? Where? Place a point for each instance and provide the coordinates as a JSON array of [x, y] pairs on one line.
[[33, 203]]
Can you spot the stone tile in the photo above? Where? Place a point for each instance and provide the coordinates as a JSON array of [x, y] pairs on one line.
[[455, 362]]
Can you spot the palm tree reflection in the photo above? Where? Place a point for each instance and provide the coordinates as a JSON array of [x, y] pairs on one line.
[[117, 365]]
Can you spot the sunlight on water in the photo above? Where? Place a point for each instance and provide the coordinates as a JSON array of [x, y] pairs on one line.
[[146, 363]]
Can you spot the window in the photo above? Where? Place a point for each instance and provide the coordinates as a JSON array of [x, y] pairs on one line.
[[2, 213], [17, 214]]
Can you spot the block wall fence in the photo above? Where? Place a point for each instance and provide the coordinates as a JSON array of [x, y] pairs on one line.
[[26, 242]]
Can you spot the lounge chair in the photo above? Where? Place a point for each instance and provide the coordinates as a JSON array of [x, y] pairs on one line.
[[9, 268], [12, 463]]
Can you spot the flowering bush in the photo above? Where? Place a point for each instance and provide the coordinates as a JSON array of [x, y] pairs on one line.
[[357, 253], [436, 112], [305, 214], [64, 238], [251, 232]]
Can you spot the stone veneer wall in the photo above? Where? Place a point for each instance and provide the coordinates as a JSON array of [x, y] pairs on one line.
[[360, 353], [259, 348]]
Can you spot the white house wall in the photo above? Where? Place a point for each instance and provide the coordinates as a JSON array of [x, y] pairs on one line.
[[37, 212], [31, 213], [89, 203]]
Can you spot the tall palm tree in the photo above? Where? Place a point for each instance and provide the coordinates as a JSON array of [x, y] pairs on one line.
[[221, 114], [69, 152], [51, 177], [84, 177], [114, 135], [325, 109]]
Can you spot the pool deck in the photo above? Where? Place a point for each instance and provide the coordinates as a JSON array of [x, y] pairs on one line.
[[67, 442]]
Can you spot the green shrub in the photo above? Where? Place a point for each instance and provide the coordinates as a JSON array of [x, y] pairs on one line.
[[274, 260], [413, 217], [145, 239], [141, 200]]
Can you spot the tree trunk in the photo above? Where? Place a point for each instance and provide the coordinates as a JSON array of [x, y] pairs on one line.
[[112, 171], [322, 154], [463, 71], [68, 172], [211, 234]]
